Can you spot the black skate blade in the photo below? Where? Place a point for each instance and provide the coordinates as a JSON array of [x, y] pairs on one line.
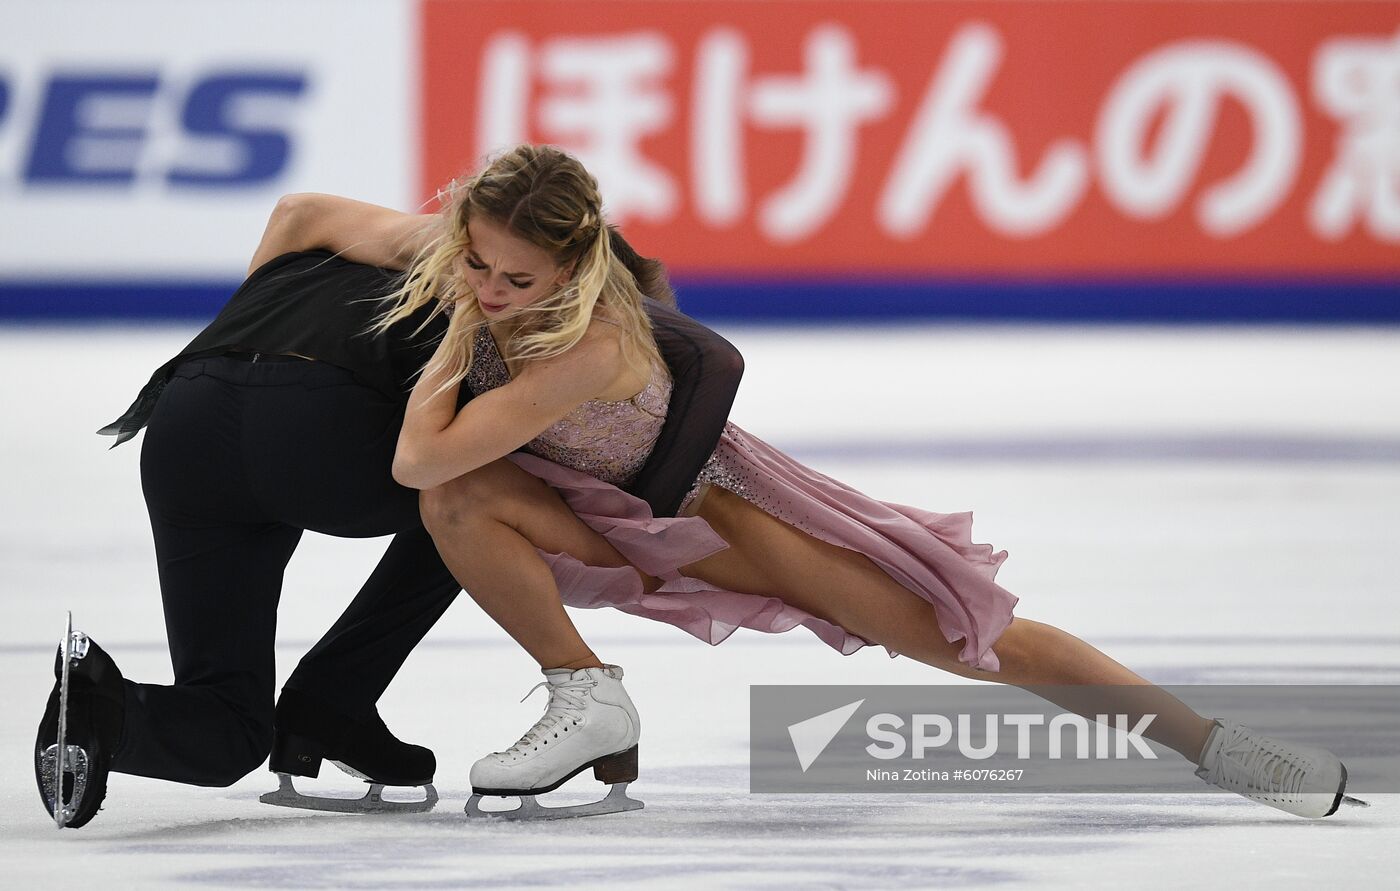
[[1355, 802], [616, 801], [372, 802]]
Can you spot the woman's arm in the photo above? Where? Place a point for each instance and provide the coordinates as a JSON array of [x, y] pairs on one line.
[[364, 233], [439, 443], [705, 372]]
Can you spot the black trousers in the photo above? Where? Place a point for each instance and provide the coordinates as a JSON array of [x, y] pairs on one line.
[[239, 458]]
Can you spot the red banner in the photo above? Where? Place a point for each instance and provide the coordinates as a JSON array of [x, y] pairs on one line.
[[947, 138]]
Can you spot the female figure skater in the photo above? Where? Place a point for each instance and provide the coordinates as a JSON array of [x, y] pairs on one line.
[[282, 416], [549, 335]]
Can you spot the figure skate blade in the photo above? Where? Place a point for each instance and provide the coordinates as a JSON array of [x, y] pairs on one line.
[[372, 802], [616, 801]]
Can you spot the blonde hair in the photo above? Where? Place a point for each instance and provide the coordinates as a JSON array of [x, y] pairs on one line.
[[545, 196]]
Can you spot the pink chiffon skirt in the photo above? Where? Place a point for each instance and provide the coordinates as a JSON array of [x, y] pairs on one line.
[[931, 554]]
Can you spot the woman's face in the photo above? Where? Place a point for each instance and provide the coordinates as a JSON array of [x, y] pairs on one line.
[[507, 273]]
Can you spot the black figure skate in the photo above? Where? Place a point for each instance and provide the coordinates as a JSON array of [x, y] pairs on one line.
[[79, 733], [309, 731]]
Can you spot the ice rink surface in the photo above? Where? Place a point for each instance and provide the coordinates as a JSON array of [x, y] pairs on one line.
[[1205, 505]]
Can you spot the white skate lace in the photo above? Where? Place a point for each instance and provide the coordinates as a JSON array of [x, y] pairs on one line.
[[567, 702], [1257, 765]]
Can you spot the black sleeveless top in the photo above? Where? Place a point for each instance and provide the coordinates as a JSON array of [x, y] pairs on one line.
[[314, 304], [318, 305]]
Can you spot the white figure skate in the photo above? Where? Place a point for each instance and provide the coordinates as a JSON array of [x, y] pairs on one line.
[[590, 722], [1302, 780]]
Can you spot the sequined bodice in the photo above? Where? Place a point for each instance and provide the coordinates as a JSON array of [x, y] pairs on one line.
[[607, 440]]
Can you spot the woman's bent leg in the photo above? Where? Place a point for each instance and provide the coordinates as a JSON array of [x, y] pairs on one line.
[[487, 525]]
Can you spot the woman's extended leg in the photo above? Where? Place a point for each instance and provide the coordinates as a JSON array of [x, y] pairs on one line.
[[768, 556]]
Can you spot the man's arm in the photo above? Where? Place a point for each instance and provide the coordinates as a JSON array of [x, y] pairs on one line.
[[705, 372], [364, 233]]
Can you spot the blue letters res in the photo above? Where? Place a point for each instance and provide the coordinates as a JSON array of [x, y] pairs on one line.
[[92, 129]]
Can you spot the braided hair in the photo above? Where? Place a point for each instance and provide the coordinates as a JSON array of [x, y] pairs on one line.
[[545, 196]]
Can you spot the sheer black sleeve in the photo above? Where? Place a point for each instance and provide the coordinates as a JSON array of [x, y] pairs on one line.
[[705, 371]]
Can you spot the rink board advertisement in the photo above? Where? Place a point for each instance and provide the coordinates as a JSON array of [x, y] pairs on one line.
[[142, 145], [1092, 160]]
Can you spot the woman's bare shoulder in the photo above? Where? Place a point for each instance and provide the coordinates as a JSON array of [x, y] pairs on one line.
[[597, 357], [603, 335], [600, 357]]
